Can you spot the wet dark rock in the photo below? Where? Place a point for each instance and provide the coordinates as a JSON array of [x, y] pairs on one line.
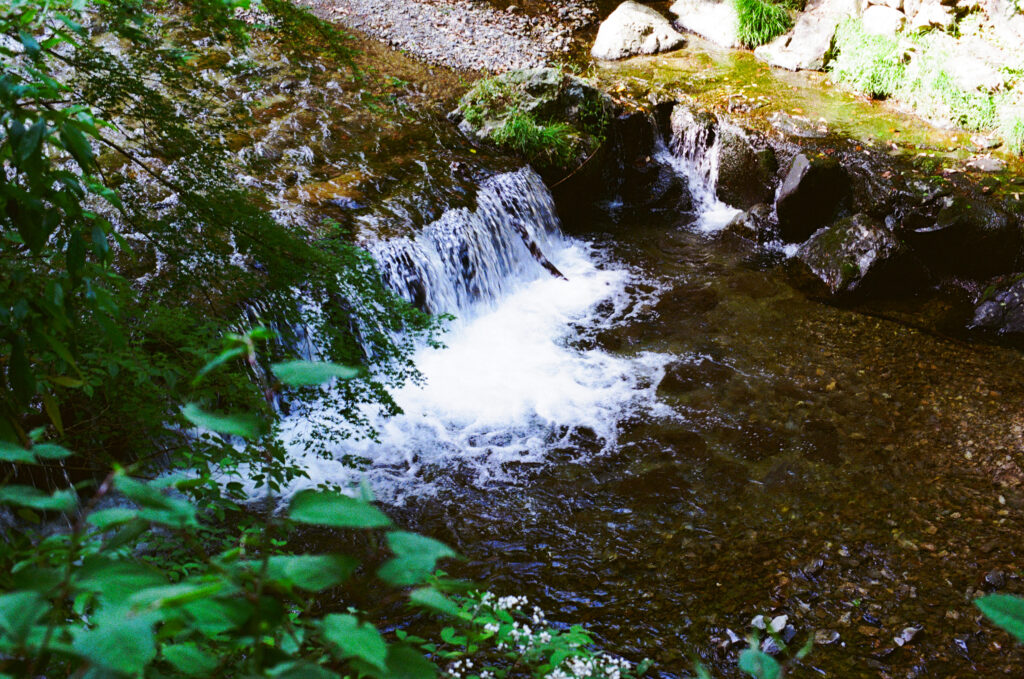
[[851, 254], [756, 224], [684, 376], [746, 174], [968, 237], [811, 196], [1002, 311]]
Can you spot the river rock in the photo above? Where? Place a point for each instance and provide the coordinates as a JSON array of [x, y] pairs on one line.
[[847, 254], [745, 174], [715, 20], [634, 29], [882, 20], [811, 196], [968, 236], [932, 13], [755, 224], [1003, 311], [805, 46]]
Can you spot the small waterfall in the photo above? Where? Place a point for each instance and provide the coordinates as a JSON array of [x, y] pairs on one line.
[[694, 150], [511, 384], [469, 257]]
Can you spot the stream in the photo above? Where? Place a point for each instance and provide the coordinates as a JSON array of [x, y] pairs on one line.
[[672, 440], [669, 438]]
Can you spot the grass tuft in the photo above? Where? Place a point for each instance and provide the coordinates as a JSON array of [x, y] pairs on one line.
[[760, 21], [1012, 132], [524, 135], [873, 64]]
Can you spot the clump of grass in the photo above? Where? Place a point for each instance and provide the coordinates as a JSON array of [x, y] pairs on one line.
[[488, 94], [523, 134], [760, 21], [1012, 132], [873, 64]]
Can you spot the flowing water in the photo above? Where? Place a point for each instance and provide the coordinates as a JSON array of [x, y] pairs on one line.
[[671, 439], [665, 438]]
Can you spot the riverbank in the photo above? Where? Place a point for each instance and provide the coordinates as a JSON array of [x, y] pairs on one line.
[[463, 34]]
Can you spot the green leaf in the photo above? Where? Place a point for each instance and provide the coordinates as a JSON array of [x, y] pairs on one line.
[[405, 662], [50, 451], [246, 426], [105, 519], [759, 665], [1005, 611], [114, 579], [10, 452], [76, 144], [120, 641], [325, 508], [221, 359], [428, 597], [416, 558], [355, 639], [29, 42], [306, 373], [300, 669], [155, 506], [26, 496], [310, 572], [19, 611], [190, 660]]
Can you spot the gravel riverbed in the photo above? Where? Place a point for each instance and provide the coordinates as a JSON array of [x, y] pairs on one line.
[[464, 34]]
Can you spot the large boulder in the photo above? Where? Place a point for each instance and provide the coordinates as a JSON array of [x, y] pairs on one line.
[[811, 195], [805, 47], [967, 237], [851, 254], [634, 29], [931, 14], [1002, 310], [715, 20], [745, 173], [882, 20]]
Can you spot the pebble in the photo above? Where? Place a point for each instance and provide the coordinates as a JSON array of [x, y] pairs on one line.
[[462, 34]]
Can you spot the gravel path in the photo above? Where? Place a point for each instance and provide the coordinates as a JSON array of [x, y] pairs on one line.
[[463, 34]]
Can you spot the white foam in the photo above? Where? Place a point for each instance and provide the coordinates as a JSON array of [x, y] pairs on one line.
[[505, 390]]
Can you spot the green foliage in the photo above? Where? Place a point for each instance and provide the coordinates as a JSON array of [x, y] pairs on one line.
[[873, 64], [1005, 611], [550, 143], [914, 69], [524, 135], [499, 637], [1012, 131], [81, 264], [760, 21]]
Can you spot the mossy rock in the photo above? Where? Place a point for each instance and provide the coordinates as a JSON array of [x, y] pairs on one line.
[[552, 119]]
